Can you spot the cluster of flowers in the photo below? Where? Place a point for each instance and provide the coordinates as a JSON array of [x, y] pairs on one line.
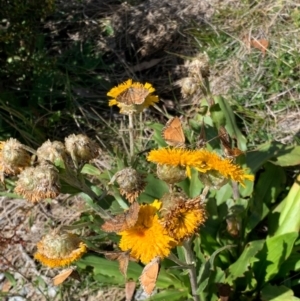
[[164, 224]]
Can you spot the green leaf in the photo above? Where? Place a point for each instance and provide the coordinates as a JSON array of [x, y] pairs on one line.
[[91, 170], [231, 126], [270, 184], [291, 264], [217, 115], [291, 157], [10, 278], [266, 152], [289, 211], [241, 266], [223, 194], [275, 251], [195, 185], [170, 294], [277, 293], [155, 189], [207, 270], [157, 136], [109, 268]]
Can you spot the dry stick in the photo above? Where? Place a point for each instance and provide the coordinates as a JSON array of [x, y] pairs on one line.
[[131, 138]]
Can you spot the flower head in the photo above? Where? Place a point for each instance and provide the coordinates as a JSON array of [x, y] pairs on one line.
[[38, 183], [59, 249], [202, 160], [170, 174], [181, 216], [51, 151], [131, 183], [132, 97], [13, 157], [147, 238], [81, 148]]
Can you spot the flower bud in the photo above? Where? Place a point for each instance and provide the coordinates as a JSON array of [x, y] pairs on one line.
[[59, 249], [38, 183], [13, 157], [171, 174]]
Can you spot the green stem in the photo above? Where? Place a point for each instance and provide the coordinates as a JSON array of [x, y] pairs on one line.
[[79, 182], [190, 260], [131, 136]]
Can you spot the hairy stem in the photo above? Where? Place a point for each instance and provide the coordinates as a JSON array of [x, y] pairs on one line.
[[190, 260], [131, 136]]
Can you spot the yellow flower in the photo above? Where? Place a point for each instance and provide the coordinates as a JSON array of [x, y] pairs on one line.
[[147, 238], [132, 97], [202, 160], [59, 249], [182, 217]]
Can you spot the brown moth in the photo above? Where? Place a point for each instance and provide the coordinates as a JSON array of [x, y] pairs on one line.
[[149, 275], [133, 96], [173, 133], [124, 220]]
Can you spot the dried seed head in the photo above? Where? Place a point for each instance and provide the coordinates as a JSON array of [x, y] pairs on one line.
[[51, 151], [13, 157], [38, 183], [171, 174], [131, 183], [189, 86], [199, 66], [81, 148], [59, 249]]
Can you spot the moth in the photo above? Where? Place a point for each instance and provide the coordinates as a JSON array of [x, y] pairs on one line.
[[173, 133]]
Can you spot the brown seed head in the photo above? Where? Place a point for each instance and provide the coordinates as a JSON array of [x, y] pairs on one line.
[[38, 183], [81, 148], [131, 183], [199, 66], [13, 157], [51, 151]]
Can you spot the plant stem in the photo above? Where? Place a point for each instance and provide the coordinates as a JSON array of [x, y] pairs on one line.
[[131, 137], [190, 260]]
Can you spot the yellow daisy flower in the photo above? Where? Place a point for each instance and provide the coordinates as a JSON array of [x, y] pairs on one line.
[[202, 160], [182, 217], [59, 249], [147, 238], [132, 97]]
